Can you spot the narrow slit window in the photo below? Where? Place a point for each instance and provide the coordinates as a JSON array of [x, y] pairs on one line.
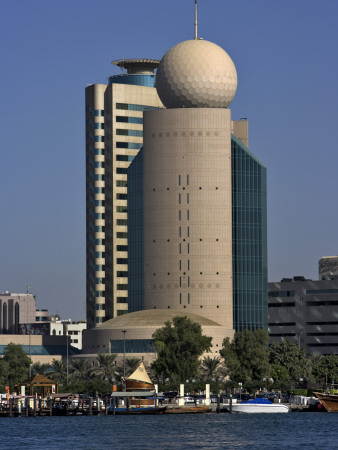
[[188, 248], [188, 231], [187, 180], [188, 298], [180, 298], [179, 232], [180, 248], [179, 198], [187, 214], [179, 180], [188, 199], [179, 215]]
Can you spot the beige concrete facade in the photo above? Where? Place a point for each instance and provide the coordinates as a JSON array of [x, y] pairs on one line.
[[107, 162], [187, 212], [141, 325], [32, 342], [16, 309]]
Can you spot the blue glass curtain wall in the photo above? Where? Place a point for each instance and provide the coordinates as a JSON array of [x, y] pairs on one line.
[[135, 79], [249, 239]]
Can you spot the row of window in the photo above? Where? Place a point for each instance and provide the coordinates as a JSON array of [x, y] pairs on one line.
[[124, 132], [121, 209], [121, 235], [121, 183], [122, 248], [321, 291], [133, 107], [121, 196], [127, 158], [126, 119], [281, 294], [121, 274], [122, 287], [131, 145], [281, 305]]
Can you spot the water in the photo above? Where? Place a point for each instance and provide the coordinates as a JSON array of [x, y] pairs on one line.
[[205, 431]]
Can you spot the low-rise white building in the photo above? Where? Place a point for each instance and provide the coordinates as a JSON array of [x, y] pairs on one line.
[[69, 328]]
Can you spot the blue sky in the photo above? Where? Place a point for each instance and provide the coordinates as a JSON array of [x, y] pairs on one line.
[[286, 57]]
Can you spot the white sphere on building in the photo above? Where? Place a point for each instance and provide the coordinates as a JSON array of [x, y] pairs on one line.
[[196, 74]]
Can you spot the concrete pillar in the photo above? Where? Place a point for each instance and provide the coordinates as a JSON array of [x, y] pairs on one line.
[[181, 399], [207, 394]]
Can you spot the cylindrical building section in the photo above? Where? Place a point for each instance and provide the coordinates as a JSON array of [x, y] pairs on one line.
[[187, 211]]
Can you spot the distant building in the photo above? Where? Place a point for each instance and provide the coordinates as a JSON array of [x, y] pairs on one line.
[[328, 268], [40, 348], [306, 312], [16, 310], [69, 328]]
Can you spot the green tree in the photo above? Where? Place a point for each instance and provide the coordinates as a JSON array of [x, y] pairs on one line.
[[247, 358], [41, 369], [14, 366], [325, 370], [288, 353], [107, 366], [128, 366], [81, 369], [179, 344], [210, 368], [59, 371], [281, 377]]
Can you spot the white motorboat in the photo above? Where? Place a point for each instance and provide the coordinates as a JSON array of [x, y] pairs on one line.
[[258, 405]]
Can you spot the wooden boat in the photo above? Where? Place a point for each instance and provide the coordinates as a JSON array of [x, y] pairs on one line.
[[329, 401], [141, 410], [140, 381], [257, 405], [187, 410]]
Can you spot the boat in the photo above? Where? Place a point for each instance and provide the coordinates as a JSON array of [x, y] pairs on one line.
[[139, 381], [142, 410], [329, 401], [257, 405], [187, 410]]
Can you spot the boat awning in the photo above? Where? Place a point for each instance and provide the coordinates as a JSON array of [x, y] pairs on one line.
[[134, 394]]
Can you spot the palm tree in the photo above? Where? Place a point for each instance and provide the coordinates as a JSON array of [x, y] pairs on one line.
[[131, 364], [81, 369], [210, 367], [107, 366], [59, 371], [41, 369]]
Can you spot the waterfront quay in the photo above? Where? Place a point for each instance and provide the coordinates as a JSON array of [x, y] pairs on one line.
[[79, 405]]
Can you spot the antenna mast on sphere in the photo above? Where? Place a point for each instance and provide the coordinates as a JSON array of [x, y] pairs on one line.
[[196, 19]]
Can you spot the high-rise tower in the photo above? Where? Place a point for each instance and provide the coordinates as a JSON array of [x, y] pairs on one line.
[[197, 233], [114, 135]]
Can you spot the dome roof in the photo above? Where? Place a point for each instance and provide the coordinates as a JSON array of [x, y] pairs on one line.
[[196, 73], [152, 318]]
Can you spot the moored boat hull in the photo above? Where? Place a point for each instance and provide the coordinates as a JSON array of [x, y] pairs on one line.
[[329, 401], [258, 408]]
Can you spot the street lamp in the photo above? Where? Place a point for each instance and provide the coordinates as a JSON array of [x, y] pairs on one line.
[[240, 391], [124, 352], [67, 357]]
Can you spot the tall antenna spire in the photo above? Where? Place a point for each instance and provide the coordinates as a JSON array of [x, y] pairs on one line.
[[196, 19]]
